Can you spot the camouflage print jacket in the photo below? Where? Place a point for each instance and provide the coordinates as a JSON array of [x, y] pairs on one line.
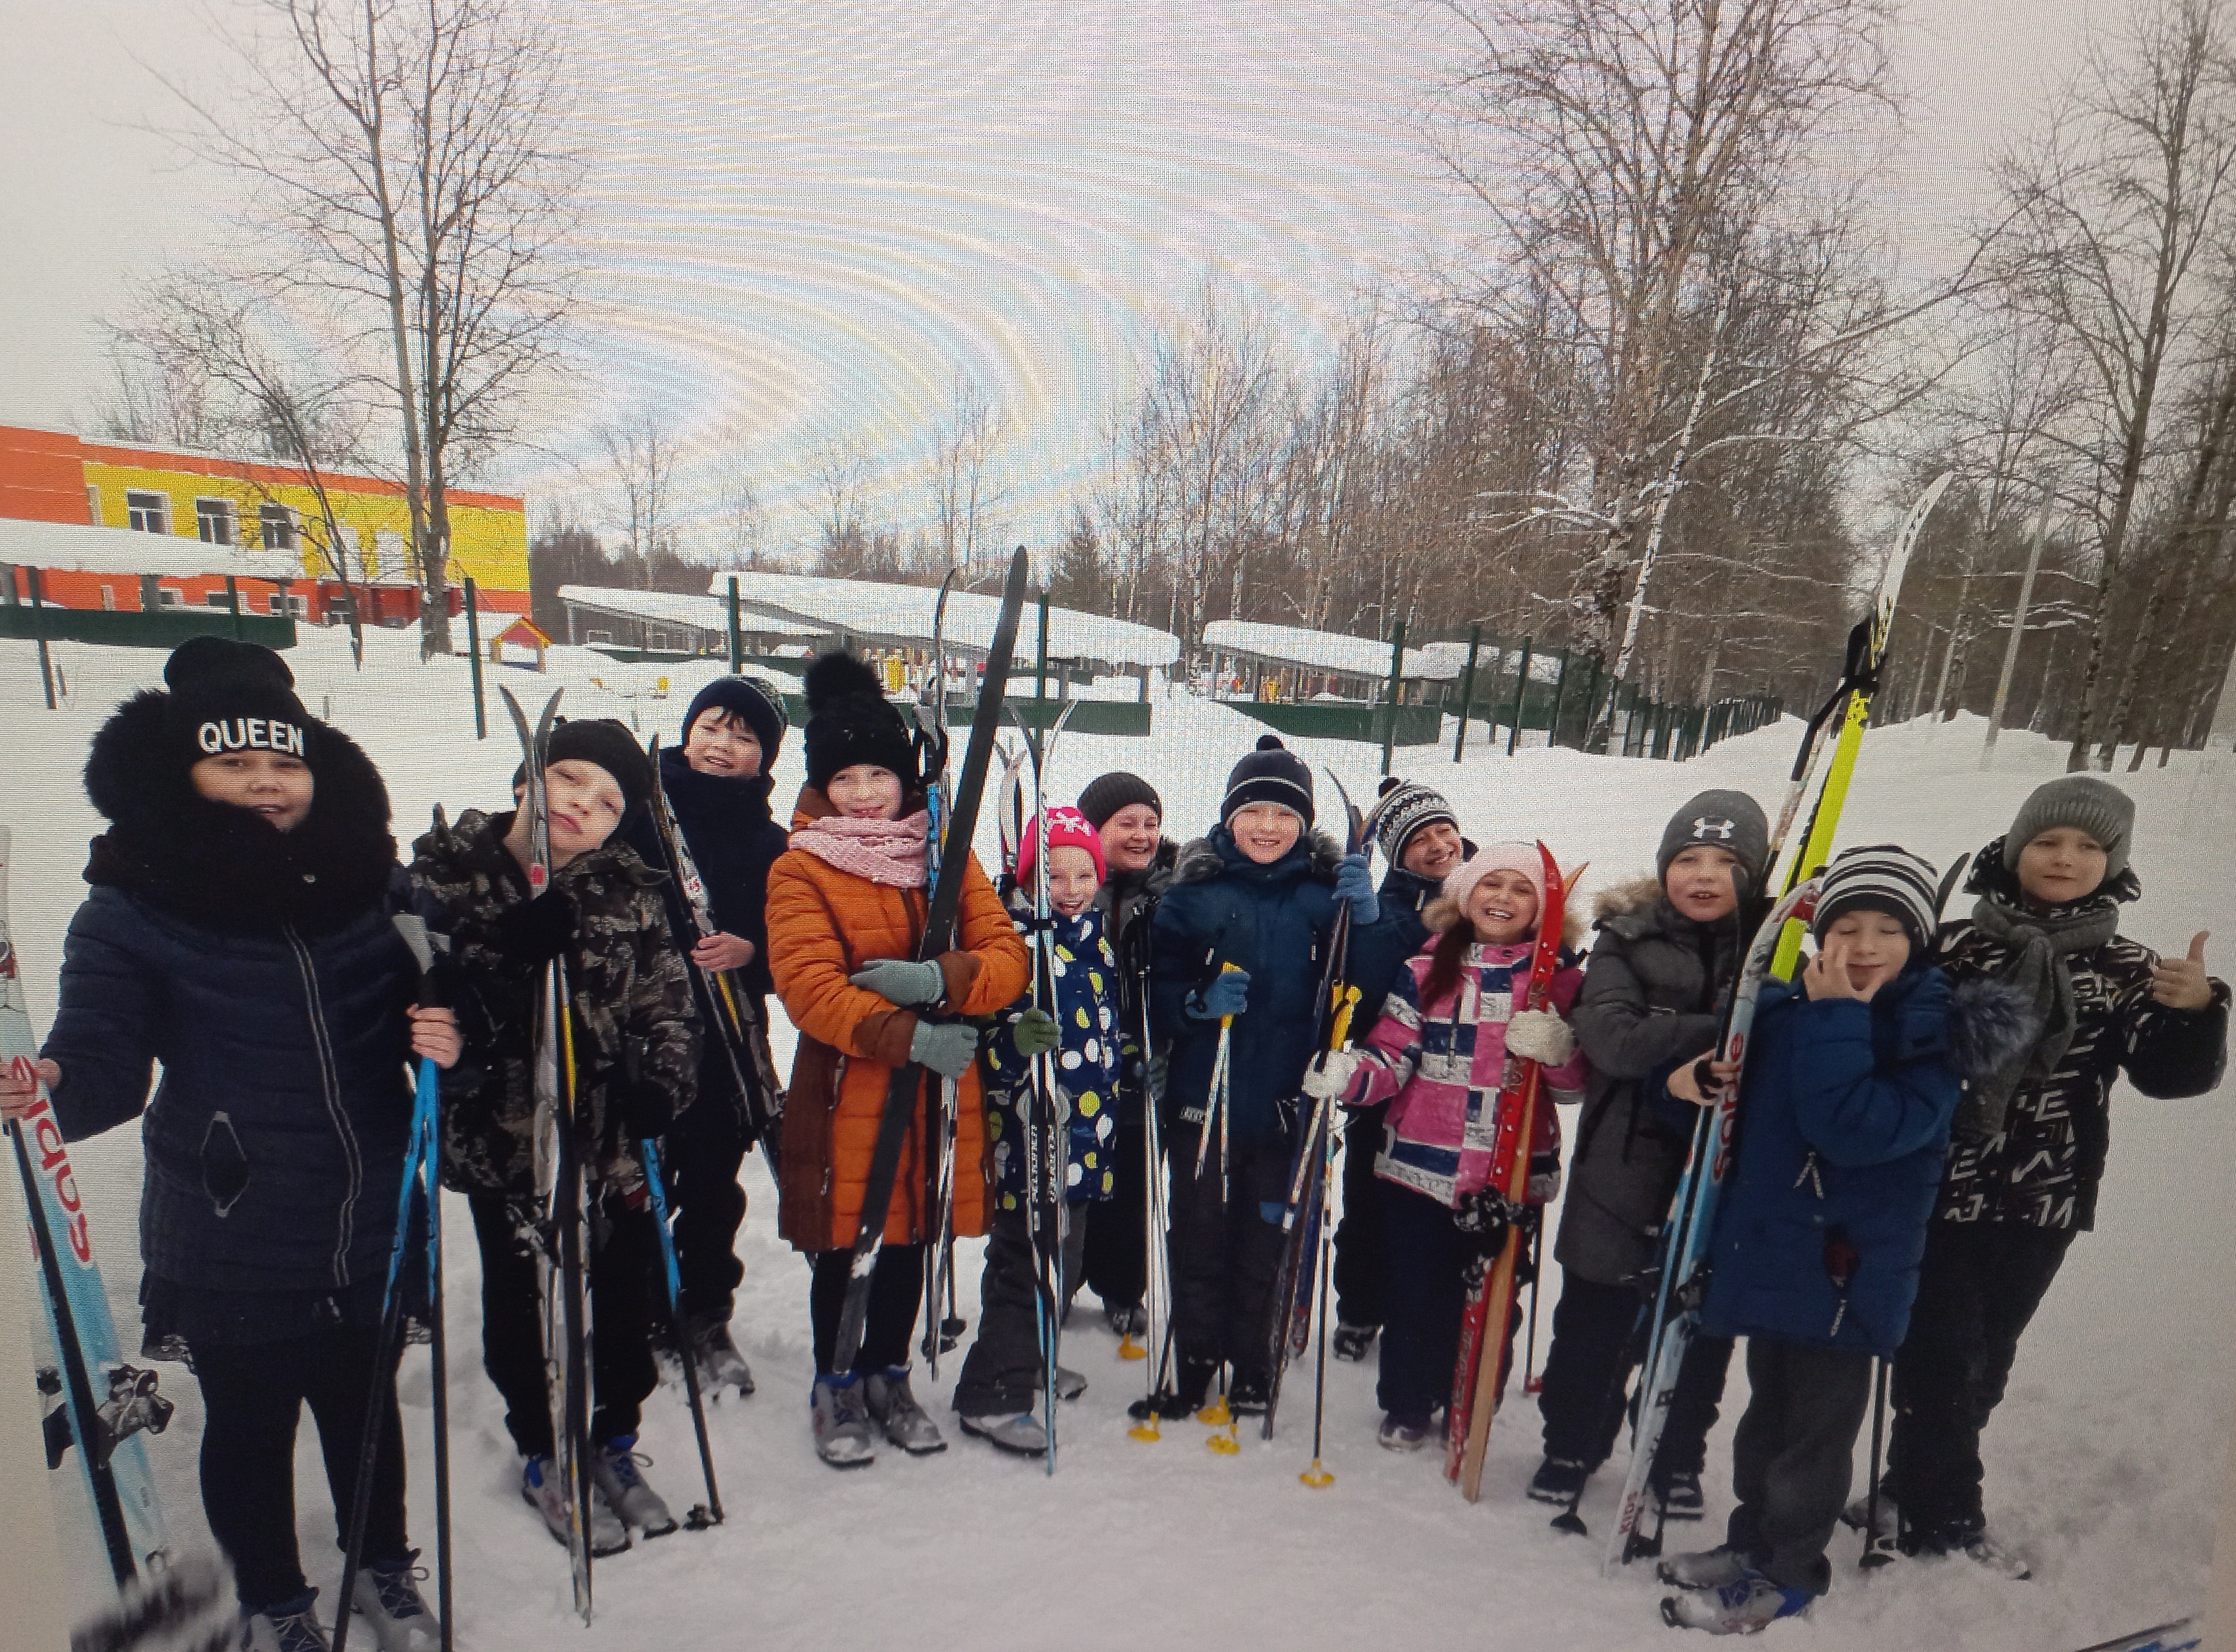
[[627, 983]]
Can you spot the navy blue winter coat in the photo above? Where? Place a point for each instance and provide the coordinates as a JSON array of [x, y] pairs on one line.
[[264, 971], [1843, 1131], [1273, 921], [1377, 954]]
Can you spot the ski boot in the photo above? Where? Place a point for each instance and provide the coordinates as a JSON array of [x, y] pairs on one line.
[[614, 1473], [844, 1437], [1746, 1604], [1558, 1480], [1250, 1394], [1017, 1431], [386, 1595], [905, 1422], [1717, 1568], [1184, 1399], [541, 1491], [1404, 1434], [1679, 1496], [720, 1365], [1352, 1341], [289, 1626]]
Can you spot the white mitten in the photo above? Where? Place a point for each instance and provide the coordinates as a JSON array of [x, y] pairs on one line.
[[1539, 1034], [1330, 1074]]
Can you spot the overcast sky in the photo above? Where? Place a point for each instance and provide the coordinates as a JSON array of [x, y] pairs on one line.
[[804, 218]]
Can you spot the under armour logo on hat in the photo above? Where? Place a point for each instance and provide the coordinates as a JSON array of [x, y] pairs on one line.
[[1703, 827]]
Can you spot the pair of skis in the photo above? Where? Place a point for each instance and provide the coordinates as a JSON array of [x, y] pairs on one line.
[[1776, 949]]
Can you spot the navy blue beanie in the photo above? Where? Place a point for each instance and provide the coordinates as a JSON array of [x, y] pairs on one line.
[[750, 700]]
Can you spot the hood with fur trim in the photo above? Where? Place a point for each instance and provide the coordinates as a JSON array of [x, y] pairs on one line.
[[222, 868], [1201, 860]]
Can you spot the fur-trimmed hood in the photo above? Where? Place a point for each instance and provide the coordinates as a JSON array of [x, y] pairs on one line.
[[1626, 899], [1990, 1022], [224, 868], [1215, 852]]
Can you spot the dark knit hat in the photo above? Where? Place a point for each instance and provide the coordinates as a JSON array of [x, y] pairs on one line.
[[228, 696], [750, 699], [2082, 801], [850, 721], [1718, 820], [1406, 807], [1108, 793], [607, 743], [1272, 774], [1881, 878]]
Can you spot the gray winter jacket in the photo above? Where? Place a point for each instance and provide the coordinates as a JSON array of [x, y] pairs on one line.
[[1650, 1000]]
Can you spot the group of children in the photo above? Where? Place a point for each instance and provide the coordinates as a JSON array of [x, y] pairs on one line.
[[241, 930]]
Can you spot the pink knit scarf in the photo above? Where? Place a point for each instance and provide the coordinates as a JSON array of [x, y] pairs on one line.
[[884, 851]]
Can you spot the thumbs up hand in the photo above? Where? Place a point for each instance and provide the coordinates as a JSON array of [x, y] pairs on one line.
[[2181, 983]]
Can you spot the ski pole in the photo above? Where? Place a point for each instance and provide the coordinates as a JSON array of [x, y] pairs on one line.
[[1317, 1477], [1531, 1382], [1873, 1556], [699, 1519], [430, 1158]]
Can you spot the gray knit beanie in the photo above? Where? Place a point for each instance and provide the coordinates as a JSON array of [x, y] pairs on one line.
[[1729, 820], [2084, 802]]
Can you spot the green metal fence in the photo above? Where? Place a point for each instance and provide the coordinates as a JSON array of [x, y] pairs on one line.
[[162, 627]]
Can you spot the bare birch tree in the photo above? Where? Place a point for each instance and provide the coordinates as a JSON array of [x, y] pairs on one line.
[[642, 454]]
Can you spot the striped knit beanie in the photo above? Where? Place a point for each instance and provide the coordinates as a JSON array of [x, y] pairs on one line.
[[1882, 879], [1272, 774], [1406, 807]]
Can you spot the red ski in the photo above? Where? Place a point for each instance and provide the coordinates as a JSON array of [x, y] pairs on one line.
[[1491, 1286]]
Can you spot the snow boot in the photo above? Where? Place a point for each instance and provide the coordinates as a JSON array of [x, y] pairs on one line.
[[614, 1472], [1750, 1603], [1859, 1514], [1069, 1385], [905, 1422], [1127, 1320], [720, 1365], [1018, 1431], [1975, 1545], [844, 1437], [1404, 1434], [1679, 1494], [1717, 1568], [1249, 1394], [1191, 1382], [1558, 1480], [290, 1626], [1351, 1341], [386, 1595], [540, 1489]]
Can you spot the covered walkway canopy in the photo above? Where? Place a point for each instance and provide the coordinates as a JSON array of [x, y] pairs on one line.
[[664, 621], [1322, 662], [871, 613]]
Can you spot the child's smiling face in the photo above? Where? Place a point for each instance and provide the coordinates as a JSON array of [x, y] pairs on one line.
[[1873, 946], [2062, 866], [721, 743], [1503, 908], [1700, 885], [1071, 879]]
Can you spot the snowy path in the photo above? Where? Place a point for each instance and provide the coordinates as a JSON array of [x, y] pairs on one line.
[[2104, 1463]]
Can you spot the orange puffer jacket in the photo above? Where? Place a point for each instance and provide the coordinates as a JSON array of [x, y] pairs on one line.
[[825, 924]]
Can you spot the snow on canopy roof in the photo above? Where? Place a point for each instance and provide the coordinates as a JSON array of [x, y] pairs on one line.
[[678, 608], [900, 616], [1352, 657], [68, 547]]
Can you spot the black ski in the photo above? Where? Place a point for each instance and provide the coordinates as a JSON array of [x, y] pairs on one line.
[[939, 929]]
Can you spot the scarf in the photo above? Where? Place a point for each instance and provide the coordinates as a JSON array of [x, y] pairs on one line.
[[891, 853], [2040, 940]]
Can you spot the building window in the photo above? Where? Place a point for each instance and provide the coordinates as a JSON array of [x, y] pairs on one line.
[[389, 558], [298, 606], [92, 504], [108, 599], [170, 597], [217, 599], [215, 524], [147, 513], [276, 526]]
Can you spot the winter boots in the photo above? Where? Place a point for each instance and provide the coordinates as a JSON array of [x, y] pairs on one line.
[[844, 1437], [1127, 1319], [1404, 1434], [1717, 1568], [614, 1472], [291, 1626], [1892, 1535], [1558, 1480], [387, 1598], [720, 1366], [1679, 1496], [905, 1422], [1749, 1602], [541, 1490], [1352, 1341], [1017, 1431]]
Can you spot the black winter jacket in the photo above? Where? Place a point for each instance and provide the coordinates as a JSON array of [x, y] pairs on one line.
[[1377, 954], [1652, 995], [263, 969]]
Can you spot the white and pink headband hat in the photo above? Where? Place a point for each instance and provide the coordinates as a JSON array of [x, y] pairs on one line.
[[1460, 882]]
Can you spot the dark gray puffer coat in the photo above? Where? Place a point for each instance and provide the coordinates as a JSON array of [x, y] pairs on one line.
[[1652, 994]]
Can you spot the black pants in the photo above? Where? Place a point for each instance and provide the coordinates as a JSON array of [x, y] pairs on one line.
[[1978, 1288], [896, 1292], [1362, 1250], [702, 1156], [1794, 1455], [1599, 1339], [1225, 1251], [1426, 1295], [253, 1397], [1002, 1371], [1115, 1262], [623, 1253]]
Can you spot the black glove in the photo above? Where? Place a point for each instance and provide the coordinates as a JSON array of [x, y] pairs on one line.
[[1487, 1217], [535, 931], [646, 1110]]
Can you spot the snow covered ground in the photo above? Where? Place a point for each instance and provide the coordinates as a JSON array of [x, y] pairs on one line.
[[2104, 1463]]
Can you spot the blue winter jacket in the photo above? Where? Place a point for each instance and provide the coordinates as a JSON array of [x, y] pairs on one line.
[[1273, 921], [1844, 1129]]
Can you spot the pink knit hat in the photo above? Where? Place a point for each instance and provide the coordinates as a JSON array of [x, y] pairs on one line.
[[1460, 882], [1067, 829]]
